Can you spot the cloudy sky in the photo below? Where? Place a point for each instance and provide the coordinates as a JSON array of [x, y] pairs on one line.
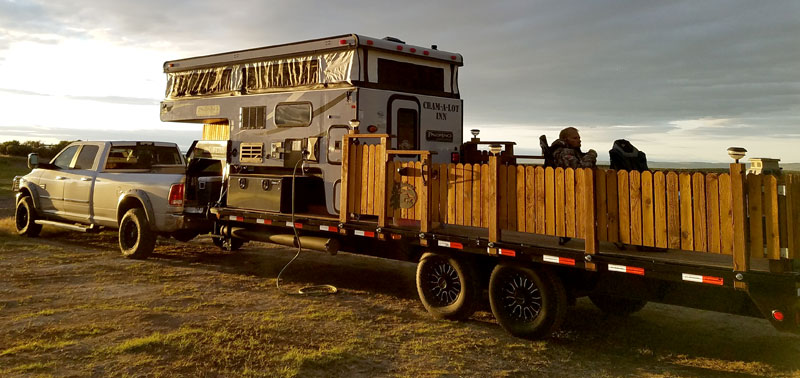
[[683, 80]]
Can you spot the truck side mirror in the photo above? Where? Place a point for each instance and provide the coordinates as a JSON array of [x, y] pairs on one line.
[[33, 160]]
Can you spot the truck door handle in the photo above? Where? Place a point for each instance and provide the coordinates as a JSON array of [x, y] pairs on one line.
[[61, 178], [86, 179]]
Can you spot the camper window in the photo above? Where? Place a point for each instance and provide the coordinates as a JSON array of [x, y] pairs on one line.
[[254, 117], [293, 114], [407, 129], [408, 76]]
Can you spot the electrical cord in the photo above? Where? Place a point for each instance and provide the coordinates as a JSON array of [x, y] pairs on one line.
[[316, 290]]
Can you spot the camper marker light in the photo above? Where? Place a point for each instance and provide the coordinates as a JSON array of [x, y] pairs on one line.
[[413, 50], [342, 41], [399, 48], [372, 128], [369, 42], [777, 315], [455, 157], [452, 57], [426, 52]]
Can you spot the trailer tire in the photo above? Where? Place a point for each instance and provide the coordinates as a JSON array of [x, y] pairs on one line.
[[235, 243], [136, 239], [25, 218], [617, 305], [528, 302], [448, 287]]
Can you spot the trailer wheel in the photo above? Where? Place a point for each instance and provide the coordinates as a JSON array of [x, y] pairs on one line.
[[617, 305], [25, 218], [136, 239], [448, 287], [528, 302], [235, 243]]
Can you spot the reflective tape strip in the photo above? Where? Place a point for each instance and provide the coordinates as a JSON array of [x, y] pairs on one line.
[[235, 218], [263, 221], [296, 225], [703, 279], [368, 234], [328, 228], [507, 252], [448, 244], [558, 260], [625, 269]]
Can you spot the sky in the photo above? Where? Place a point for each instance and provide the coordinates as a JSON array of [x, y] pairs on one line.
[[682, 80]]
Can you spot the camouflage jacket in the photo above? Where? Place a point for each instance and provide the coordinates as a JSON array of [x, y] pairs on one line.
[[568, 157]]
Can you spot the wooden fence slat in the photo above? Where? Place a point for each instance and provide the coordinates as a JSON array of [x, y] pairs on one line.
[[590, 215], [741, 255], [352, 182], [364, 178], [485, 195], [725, 215], [550, 201], [687, 231], [612, 206], [623, 193], [451, 194], [559, 204], [699, 208], [476, 195], [467, 194], [648, 216], [434, 192], [370, 181], [530, 199], [580, 200], [712, 213], [794, 231], [754, 205], [494, 226], [502, 188], [569, 202], [425, 195], [444, 177], [511, 197], [660, 209], [381, 194], [600, 202], [541, 213], [520, 194], [771, 217], [421, 204], [635, 183], [674, 238], [397, 179], [459, 193], [404, 180]]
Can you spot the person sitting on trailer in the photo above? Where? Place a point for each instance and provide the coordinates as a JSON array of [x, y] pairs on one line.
[[567, 152]]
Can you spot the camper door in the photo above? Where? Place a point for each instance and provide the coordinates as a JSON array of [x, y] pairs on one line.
[[404, 122]]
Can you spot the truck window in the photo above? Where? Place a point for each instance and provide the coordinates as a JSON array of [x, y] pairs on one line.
[[86, 157], [141, 157], [293, 114], [65, 157]]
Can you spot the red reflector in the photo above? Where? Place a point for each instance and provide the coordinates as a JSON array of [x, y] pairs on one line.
[[507, 252], [452, 57], [176, 195], [399, 48], [777, 315], [397, 236], [372, 128], [369, 42], [426, 52], [353, 106], [343, 42], [412, 49], [455, 157]]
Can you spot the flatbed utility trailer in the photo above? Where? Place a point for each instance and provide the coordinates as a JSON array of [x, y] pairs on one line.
[[537, 237]]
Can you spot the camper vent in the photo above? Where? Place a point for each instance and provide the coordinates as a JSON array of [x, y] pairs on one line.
[[251, 152], [254, 117]]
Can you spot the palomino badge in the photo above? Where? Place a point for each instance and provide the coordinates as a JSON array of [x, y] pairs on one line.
[[439, 136]]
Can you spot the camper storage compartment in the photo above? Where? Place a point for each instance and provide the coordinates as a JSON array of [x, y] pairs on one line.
[[269, 193]]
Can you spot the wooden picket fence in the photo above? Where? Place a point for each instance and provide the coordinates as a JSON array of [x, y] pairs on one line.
[[702, 212]]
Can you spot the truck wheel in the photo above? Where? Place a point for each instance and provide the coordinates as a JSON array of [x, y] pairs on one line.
[[448, 287], [617, 305], [25, 218], [136, 239], [527, 302], [236, 243]]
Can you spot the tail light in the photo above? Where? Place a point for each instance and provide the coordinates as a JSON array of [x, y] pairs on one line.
[[455, 157], [176, 195]]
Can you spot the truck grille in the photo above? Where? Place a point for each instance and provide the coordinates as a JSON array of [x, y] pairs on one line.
[[251, 152]]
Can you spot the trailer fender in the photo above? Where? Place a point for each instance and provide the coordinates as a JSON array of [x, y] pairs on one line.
[[778, 301]]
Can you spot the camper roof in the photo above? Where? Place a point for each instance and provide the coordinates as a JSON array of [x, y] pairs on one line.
[[345, 42]]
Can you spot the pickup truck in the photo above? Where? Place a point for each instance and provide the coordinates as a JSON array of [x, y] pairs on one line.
[[135, 187]]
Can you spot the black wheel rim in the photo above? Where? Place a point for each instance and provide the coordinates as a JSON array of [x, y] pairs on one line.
[[441, 282], [520, 297], [129, 234], [21, 217]]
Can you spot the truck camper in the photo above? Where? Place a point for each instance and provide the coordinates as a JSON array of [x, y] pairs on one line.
[[355, 143]]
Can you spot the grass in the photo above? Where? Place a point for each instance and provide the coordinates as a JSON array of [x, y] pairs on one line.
[[36, 346], [11, 166]]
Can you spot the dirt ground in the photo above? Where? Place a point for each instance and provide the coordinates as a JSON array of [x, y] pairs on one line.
[[70, 305]]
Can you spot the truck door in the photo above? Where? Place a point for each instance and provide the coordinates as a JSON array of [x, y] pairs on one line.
[[51, 182], [404, 122], [79, 184]]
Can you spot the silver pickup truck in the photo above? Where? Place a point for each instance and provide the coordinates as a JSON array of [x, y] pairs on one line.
[[135, 187]]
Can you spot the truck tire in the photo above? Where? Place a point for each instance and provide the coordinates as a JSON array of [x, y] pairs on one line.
[[25, 218], [528, 302], [449, 288], [617, 305], [235, 243], [136, 239]]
